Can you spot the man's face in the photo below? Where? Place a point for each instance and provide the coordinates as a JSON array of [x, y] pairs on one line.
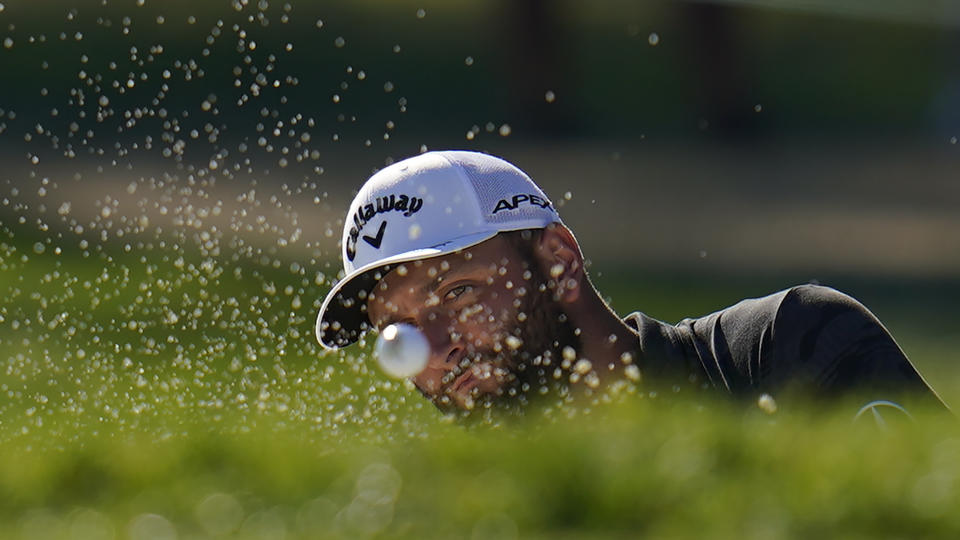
[[485, 312]]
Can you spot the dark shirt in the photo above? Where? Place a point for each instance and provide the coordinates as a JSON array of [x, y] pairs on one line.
[[808, 341]]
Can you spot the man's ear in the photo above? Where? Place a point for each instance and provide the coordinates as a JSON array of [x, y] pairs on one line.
[[561, 262]]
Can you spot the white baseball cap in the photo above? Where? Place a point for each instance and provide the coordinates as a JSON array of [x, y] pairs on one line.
[[429, 205]]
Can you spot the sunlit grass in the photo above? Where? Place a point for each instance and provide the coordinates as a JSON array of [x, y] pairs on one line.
[[209, 425], [643, 467]]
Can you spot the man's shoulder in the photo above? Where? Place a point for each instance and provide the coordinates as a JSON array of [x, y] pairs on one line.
[[808, 300], [739, 344], [809, 308], [752, 315], [817, 296]]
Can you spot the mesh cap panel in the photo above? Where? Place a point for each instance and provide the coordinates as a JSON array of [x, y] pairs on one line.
[[505, 193]]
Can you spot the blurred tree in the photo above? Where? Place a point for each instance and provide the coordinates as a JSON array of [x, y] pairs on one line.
[[724, 106], [536, 60]]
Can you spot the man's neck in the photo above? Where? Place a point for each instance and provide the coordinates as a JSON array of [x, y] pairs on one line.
[[605, 340]]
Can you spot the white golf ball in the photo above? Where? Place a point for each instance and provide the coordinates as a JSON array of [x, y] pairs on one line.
[[401, 350]]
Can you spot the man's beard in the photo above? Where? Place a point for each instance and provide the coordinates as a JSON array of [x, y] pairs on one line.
[[528, 371]]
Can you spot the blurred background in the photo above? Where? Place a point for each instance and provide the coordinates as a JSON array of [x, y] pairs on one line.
[[173, 180], [702, 152]]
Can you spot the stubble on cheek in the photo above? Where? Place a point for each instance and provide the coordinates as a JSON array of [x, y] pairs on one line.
[[500, 347], [484, 371]]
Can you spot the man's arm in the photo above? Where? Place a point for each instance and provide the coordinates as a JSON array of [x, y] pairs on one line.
[[809, 342], [826, 344]]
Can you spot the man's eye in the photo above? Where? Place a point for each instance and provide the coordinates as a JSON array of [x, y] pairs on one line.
[[457, 291]]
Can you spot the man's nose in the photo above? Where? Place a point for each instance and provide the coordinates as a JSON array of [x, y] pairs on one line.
[[443, 342], [444, 352]]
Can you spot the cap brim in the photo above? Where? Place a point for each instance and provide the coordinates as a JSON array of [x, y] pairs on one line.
[[343, 316]]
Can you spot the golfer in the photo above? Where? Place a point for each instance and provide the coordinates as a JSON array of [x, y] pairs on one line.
[[465, 247]]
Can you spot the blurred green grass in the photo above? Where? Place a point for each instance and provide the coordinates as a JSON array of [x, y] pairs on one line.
[[188, 434], [664, 469]]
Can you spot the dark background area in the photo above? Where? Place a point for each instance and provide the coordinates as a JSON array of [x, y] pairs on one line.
[[678, 70]]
